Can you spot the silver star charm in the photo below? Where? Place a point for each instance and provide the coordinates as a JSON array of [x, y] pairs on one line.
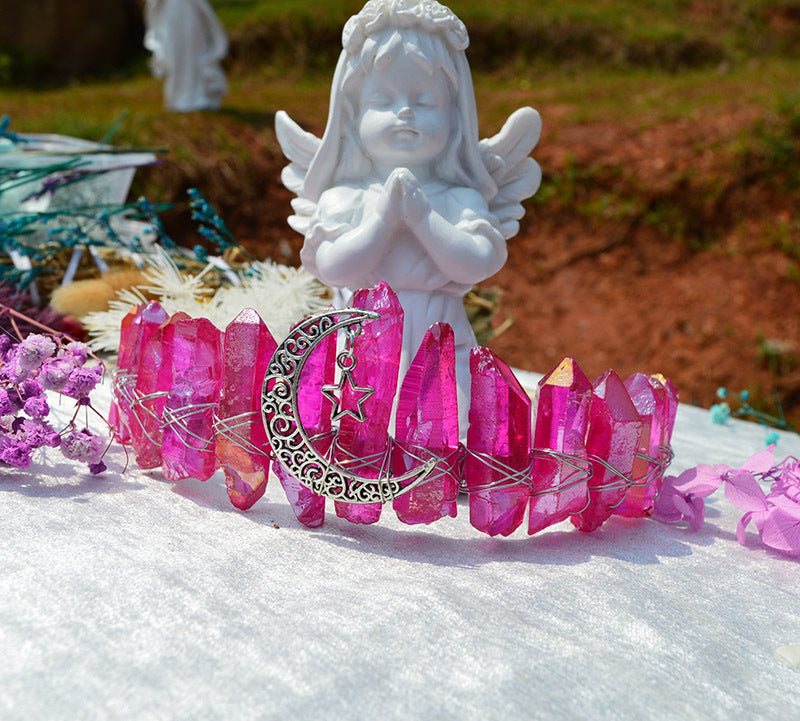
[[334, 394]]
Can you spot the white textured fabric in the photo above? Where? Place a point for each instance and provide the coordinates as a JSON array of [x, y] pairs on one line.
[[128, 597]]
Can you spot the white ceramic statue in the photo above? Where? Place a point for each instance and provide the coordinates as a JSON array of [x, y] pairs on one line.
[[188, 44], [399, 188]]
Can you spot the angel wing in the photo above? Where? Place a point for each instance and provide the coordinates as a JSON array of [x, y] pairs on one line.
[[300, 147], [517, 176]]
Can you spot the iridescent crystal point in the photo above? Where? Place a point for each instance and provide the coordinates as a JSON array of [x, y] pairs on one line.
[[613, 436], [136, 330], [650, 399], [561, 417], [363, 445], [242, 449], [193, 352], [498, 446], [153, 382], [427, 427]]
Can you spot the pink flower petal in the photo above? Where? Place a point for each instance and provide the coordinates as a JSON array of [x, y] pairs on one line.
[[785, 504], [743, 491], [698, 514], [700, 481], [664, 509], [741, 528], [782, 532], [761, 462]]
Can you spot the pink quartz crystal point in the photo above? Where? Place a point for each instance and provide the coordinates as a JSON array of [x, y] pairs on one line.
[[561, 412], [315, 415], [650, 398], [672, 405], [242, 449], [194, 354], [152, 385], [136, 330], [378, 352], [427, 416], [614, 430], [500, 427]]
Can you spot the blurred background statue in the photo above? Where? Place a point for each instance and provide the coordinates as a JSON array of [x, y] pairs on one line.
[[188, 44]]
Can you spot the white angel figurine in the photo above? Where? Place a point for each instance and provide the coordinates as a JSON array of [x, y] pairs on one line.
[[399, 188], [188, 44]]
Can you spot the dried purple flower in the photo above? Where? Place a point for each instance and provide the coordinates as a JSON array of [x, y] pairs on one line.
[[82, 381], [79, 351], [55, 373], [17, 454], [32, 351], [83, 446], [6, 407], [36, 407]]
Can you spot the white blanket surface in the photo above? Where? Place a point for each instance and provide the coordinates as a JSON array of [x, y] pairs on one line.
[[125, 596]]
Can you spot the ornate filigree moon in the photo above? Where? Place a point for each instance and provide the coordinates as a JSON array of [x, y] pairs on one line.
[[290, 441]]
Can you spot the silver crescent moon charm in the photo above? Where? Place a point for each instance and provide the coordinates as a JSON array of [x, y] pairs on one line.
[[291, 443]]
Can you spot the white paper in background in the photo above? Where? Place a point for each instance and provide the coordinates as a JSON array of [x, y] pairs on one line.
[[128, 597]]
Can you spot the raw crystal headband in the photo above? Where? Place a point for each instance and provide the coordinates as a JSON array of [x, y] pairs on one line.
[[191, 399]]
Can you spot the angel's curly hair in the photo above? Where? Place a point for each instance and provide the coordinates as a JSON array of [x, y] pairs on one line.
[[436, 37]]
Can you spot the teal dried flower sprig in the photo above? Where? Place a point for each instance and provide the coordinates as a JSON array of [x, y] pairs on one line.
[[721, 412], [211, 226]]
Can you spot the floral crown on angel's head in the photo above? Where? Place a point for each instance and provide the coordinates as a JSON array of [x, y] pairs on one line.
[[429, 15]]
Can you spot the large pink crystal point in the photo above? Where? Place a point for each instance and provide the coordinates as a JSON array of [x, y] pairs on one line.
[[136, 330], [650, 398], [614, 431], [152, 385], [561, 412], [194, 353], [499, 427], [378, 352], [315, 415], [242, 448], [427, 417]]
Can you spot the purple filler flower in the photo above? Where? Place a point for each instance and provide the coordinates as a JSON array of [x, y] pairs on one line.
[[6, 406], [17, 454], [82, 381], [54, 374], [38, 433], [36, 407], [33, 350], [83, 446], [79, 351]]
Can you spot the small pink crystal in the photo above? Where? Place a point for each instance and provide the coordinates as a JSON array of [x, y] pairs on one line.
[[137, 328], [650, 398], [672, 406], [193, 352], [427, 416], [561, 413], [500, 427], [242, 449], [378, 352], [614, 431], [319, 370], [152, 385]]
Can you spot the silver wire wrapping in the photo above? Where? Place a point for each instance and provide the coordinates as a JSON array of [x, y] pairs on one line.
[[446, 466], [449, 466]]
